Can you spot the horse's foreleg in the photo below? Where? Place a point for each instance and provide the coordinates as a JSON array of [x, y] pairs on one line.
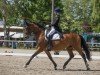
[[50, 57], [71, 56], [37, 52]]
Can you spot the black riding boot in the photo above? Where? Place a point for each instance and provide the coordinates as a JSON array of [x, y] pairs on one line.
[[49, 44]]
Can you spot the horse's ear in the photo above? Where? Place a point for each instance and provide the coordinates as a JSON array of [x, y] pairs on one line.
[[26, 22]]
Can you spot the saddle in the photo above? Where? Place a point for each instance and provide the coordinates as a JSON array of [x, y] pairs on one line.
[[53, 34]]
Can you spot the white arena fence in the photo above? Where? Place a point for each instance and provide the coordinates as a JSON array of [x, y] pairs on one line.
[[21, 44], [94, 46], [31, 44], [18, 44]]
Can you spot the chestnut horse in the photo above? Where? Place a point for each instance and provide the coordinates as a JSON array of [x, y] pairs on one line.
[[69, 43]]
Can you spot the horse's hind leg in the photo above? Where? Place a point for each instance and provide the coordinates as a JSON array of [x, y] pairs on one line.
[[50, 57], [37, 52], [71, 55], [84, 58]]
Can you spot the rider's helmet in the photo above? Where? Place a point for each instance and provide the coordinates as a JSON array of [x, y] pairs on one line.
[[57, 10]]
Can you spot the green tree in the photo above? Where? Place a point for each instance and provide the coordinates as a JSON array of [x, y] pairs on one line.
[[95, 17], [74, 12]]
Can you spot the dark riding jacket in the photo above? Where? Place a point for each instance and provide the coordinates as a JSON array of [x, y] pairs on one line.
[[56, 23]]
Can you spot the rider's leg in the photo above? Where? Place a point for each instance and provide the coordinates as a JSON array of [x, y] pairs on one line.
[[49, 42]]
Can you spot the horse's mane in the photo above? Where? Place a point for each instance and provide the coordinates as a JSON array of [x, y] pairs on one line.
[[39, 25]]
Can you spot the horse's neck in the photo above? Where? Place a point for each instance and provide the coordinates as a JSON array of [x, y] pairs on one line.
[[39, 33]]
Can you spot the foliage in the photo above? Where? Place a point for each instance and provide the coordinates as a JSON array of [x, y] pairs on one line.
[[74, 13], [95, 15]]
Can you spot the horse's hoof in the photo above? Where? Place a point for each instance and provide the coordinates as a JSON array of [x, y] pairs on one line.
[[64, 67], [88, 68], [25, 66], [55, 68]]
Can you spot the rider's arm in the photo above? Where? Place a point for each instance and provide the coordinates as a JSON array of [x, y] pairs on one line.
[[55, 21]]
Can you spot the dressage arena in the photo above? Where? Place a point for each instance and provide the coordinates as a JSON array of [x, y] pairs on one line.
[[12, 64]]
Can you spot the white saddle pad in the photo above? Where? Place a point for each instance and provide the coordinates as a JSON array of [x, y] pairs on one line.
[[56, 36], [53, 33]]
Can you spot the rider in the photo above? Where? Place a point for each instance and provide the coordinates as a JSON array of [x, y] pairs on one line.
[[54, 27], [56, 20]]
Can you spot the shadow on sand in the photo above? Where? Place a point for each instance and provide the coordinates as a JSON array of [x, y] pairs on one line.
[[76, 70]]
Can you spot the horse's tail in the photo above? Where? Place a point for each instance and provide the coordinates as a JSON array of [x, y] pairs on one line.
[[85, 48]]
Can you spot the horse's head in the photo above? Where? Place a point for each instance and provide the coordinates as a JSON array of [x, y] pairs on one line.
[[28, 30], [32, 28]]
